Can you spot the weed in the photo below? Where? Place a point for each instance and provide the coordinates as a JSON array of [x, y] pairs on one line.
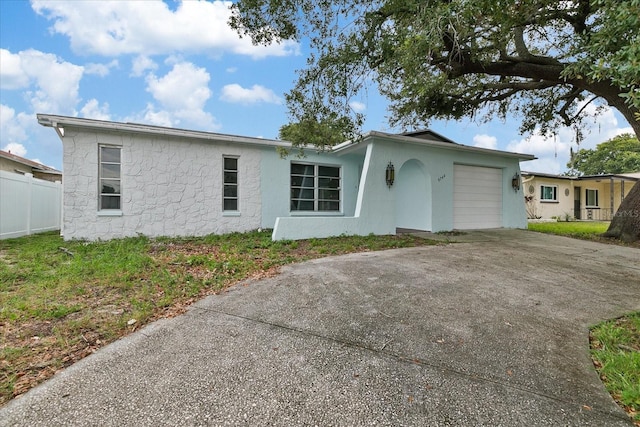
[[59, 301], [615, 348]]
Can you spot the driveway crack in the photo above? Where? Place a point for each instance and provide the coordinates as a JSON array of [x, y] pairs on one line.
[[382, 351]]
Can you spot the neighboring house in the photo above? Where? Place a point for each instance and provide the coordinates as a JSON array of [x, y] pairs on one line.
[[124, 179], [15, 164], [593, 197]]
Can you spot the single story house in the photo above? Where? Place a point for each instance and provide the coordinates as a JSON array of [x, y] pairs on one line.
[[124, 179], [10, 162], [592, 197]]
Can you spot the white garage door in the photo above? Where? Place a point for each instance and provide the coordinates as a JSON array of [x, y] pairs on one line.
[[477, 197]]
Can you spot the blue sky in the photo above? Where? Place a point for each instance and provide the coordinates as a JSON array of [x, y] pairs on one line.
[[176, 63]]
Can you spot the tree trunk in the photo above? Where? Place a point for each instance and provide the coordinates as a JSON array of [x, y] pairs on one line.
[[625, 224]]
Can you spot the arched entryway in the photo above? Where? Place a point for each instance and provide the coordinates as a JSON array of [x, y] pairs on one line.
[[413, 196]]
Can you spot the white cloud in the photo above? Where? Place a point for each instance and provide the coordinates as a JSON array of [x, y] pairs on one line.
[[12, 75], [93, 110], [553, 151], [357, 106], [52, 84], [184, 87], [100, 69], [237, 94], [15, 148], [12, 125], [151, 28], [232, 70], [182, 93], [485, 141], [158, 118], [142, 64]]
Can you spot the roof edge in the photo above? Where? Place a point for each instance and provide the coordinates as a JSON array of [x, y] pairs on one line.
[[584, 177], [38, 167], [444, 145], [54, 121]]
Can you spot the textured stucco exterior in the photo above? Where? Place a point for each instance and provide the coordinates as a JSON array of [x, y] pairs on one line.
[[379, 207], [171, 183], [170, 187]]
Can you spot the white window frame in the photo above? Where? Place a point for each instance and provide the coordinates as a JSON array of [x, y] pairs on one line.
[[586, 198], [102, 194], [555, 193], [316, 189], [226, 184]]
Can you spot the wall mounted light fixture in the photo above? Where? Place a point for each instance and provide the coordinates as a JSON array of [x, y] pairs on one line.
[[515, 182], [390, 174]]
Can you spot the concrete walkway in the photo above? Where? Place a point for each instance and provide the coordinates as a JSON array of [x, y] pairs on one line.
[[489, 332]]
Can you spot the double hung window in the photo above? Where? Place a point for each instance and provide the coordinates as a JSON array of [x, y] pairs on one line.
[[230, 184], [109, 178]]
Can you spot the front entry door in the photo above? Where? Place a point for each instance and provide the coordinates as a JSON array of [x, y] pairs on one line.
[[576, 202]]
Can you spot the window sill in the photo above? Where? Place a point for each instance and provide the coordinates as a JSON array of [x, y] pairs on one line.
[[548, 201], [110, 213], [592, 207], [231, 213], [315, 213]]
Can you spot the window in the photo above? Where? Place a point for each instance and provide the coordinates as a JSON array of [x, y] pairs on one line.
[[109, 178], [592, 198], [230, 184], [315, 188], [548, 193]]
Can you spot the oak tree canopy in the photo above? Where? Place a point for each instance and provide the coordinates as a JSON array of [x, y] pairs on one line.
[[542, 61]]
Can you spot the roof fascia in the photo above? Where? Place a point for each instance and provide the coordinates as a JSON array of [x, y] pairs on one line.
[[59, 122]]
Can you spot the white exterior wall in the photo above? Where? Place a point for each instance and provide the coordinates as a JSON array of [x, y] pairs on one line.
[[170, 187]]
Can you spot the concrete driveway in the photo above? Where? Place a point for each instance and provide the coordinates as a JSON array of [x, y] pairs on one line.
[[489, 331]]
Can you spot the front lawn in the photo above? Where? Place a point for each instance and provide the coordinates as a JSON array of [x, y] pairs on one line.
[[580, 229], [60, 301]]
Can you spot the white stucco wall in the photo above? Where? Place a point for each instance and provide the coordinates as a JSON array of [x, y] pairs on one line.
[[170, 187]]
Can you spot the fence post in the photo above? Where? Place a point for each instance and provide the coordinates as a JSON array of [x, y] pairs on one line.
[[61, 210], [29, 177]]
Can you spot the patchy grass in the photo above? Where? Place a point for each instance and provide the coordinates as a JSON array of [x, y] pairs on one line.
[[615, 348], [60, 301]]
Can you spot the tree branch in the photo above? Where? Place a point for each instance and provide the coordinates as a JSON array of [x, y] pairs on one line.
[[568, 100], [524, 55]]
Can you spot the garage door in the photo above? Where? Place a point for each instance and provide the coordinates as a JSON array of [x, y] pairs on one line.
[[477, 197]]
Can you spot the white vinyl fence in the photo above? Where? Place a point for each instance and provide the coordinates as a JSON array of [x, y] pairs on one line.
[[28, 205]]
